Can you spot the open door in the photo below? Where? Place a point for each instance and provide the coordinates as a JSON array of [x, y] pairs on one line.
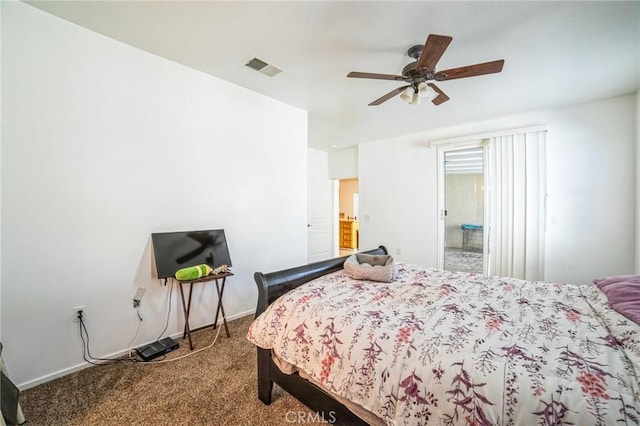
[[348, 206], [463, 208]]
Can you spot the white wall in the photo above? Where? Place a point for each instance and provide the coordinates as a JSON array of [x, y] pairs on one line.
[[397, 179], [343, 164], [591, 170], [637, 182], [104, 144], [1, 181], [591, 175]]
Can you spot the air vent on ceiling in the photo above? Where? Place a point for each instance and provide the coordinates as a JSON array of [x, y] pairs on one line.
[[263, 67]]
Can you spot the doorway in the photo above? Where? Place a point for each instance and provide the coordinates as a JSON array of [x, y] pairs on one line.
[[349, 225], [462, 199]]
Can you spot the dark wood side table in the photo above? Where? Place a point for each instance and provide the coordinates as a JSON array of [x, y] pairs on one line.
[[186, 303]]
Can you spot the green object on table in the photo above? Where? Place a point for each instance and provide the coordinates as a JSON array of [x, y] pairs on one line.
[[193, 272]]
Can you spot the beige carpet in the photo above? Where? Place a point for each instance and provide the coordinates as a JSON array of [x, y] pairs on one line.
[[213, 387]]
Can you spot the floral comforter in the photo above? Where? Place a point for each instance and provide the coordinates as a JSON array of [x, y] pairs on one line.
[[440, 347]]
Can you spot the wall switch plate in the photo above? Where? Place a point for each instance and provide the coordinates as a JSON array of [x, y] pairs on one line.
[[137, 298]]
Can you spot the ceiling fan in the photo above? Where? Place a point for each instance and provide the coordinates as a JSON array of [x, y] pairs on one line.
[[419, 73]]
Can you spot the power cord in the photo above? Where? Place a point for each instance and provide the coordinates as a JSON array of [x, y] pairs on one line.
[[85, 346], [168, 311], [92, 360], [135, 337], [162, 361]]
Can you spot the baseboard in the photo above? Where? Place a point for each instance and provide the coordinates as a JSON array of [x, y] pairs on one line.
[[61, 373]]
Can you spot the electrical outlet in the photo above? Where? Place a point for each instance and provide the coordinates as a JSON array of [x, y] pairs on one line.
[[399, 251], [77, 310]]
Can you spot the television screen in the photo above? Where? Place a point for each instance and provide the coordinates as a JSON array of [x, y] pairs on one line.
[[177, 250]]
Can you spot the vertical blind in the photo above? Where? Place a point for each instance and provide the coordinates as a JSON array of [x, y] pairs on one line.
[[517, 181]]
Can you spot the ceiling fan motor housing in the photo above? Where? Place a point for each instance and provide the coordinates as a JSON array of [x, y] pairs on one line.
[[416, 76], [415, 51]]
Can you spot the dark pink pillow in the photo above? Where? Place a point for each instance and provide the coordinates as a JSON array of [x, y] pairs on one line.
[[623, 293]]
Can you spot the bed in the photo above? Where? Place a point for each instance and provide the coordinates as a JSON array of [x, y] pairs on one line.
[[445, 348]]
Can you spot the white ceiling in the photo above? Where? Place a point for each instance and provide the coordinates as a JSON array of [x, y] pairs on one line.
[[556, 53]]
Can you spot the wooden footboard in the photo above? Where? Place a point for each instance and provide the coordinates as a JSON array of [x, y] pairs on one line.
[[270, 287]]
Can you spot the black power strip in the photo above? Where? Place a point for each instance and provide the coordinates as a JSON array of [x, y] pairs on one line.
[[155, 349]]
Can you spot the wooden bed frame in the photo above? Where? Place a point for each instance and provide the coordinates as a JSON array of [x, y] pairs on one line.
[[270, 287]]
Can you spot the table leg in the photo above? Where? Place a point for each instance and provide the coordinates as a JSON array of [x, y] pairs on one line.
[[220, 307], [186, 307]]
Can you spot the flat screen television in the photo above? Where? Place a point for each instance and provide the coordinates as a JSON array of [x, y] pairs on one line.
[[177, 250]]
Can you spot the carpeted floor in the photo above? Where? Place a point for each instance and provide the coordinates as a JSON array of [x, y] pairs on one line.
[[214, 387]]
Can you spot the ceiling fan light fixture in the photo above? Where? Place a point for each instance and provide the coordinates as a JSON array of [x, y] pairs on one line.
[[408, 94], [426, 92]]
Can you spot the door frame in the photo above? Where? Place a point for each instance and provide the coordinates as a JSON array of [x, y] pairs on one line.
[[441, 149]]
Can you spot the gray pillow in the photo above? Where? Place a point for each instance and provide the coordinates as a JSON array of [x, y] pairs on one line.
[[373, 259], [381, 269]]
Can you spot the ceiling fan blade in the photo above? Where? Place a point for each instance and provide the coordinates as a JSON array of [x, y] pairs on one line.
[[355, 74], [473, 70], [441, 98], [388, 96], [433, 50]]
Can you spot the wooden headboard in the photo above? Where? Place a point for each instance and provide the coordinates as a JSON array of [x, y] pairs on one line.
[[275, 284]]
